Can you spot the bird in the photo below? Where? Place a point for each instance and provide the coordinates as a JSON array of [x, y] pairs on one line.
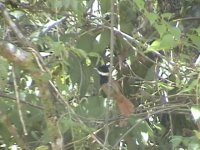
[[112, 89]]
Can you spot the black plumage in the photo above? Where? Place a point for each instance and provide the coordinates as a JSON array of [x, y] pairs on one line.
[[103, 72]]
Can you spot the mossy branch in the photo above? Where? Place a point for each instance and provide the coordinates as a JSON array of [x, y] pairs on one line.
[[31, 61]]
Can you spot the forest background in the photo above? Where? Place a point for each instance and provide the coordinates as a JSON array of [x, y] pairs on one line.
[[50, 95]]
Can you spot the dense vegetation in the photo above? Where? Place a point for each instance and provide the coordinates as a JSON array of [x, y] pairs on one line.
[[50, 95]]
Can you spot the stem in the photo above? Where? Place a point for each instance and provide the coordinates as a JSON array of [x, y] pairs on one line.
[[112, 40], [18, 102]]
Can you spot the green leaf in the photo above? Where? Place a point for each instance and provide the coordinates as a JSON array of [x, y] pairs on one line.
[[167, 15], [57, 47], [5, 134], [92, 107], [84, 80], [165, 43], [165, 86], [43, 147], [74, 5], [195, 40], [74, 68], [104, 41], [168, 41], [105, 6], [140, 4], [190, 87], [162, 29], [150, 75], [86, 42], [155, 46], [68, 3], [198, 30], [55, 5], [45, 77], [65, 123], [152, 17], [94, 55], [78, 72], [176, 141], [142, 130], [126, 27], [79, 52], [197, 134], [176, 32], [194, 145]]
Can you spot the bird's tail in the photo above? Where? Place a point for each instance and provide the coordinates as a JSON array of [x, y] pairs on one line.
[[125, 106]]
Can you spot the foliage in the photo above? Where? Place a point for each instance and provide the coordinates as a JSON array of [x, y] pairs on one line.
[[156, 60]]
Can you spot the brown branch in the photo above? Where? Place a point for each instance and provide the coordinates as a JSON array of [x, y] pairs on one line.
[[13, 26], [17, 56], [26, 61]]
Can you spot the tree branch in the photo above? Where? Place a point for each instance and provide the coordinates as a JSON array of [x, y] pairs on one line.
[[32, 62]]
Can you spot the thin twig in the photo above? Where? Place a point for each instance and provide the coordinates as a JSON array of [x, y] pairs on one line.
[[171, 124], [110, 74], [18, 102], [137, 123], [51, 24], [187, 18], [21, 101]]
